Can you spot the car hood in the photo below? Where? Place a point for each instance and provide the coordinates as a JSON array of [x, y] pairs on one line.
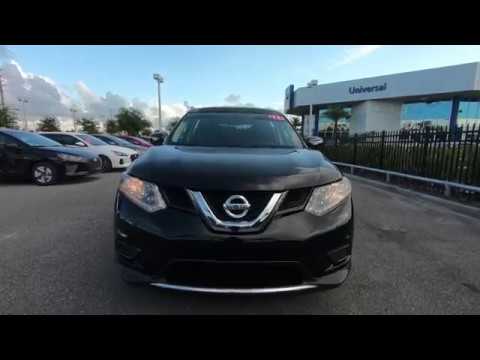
[[234, 169], [68, 151], [139, 149]]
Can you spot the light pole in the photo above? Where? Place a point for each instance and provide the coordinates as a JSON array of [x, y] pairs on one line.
[[159, 80], [24, 101], [73, 111], [2, 99]]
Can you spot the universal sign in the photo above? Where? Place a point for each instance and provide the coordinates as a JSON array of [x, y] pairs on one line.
[[357, 90]]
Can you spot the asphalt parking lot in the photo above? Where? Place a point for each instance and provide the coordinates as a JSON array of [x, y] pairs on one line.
[[411, 256]]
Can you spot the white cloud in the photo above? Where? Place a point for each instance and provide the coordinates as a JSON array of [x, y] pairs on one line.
[[234, 100], [355, 53], [93, 105], [44, 96], [47, 98]]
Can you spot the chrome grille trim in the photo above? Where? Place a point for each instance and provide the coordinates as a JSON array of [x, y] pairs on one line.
[[268, 290], [235, 226]]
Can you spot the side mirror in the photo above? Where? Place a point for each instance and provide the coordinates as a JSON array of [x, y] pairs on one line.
[[79, 143], [158, 140], [314, 141]]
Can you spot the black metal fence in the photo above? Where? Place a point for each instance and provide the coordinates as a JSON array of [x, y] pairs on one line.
[[439, 153]]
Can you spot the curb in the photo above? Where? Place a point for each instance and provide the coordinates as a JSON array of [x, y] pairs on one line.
[[452, 205]]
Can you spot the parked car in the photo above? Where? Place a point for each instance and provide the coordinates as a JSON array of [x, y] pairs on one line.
[[234, 202], [136, 141], [46, 162], [112, 156], [114, 140]]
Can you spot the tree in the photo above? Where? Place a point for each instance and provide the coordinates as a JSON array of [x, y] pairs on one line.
[[171, 125], [132, 121], [8, 118], [89, 126], [111, 126], [296, 122], [49, 123], [336, 113]]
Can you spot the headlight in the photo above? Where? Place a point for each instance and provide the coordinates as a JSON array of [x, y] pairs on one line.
[[326, 198], [142, 193], [119, 153], [72, 158]]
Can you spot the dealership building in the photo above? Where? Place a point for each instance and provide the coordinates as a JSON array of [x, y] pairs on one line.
[[447, 96]]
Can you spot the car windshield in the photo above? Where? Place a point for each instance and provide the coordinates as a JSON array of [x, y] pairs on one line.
[[33, 139], [137, 141], [119, 141], [91, 140], [268, 130]]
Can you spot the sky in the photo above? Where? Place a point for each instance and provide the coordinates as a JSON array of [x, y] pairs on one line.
[[98, 80]]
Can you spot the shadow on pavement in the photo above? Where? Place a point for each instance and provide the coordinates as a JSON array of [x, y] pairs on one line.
[[69, 181]]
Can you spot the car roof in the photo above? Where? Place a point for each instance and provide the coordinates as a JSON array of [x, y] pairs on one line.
[[61, 133], [11, 131], [235, 109]]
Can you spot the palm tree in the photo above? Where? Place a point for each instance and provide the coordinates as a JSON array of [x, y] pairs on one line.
[[336, 113], [296, 122], [7, 118], [49, 123]]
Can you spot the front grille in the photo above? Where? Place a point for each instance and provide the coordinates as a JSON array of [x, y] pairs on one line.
[[295, 200], [178, 198], [234, 274], [258, 201]]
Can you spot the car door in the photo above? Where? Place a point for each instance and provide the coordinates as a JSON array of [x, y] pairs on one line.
[[15, 157], [3, 155]]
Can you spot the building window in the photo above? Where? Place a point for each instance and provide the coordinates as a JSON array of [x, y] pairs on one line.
[[469, 113], [421, 114], [327, 124]]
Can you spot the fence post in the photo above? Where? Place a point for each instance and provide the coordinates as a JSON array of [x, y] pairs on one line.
[[447, 191], [382, 149], [355, 139], [425, 150]]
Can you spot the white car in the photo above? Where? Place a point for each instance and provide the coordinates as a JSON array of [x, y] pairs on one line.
[[112, 156]]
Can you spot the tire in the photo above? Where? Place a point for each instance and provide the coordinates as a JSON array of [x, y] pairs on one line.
[[45, 174], [106, 164]]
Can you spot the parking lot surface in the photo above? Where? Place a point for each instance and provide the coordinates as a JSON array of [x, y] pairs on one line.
[[411, 256]]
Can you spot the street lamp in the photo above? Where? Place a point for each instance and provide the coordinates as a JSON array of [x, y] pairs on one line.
[[24, 101], [2, 99], [159, 79]]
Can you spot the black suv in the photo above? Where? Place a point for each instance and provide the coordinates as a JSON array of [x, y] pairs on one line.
[[234, 201], [30, 155]]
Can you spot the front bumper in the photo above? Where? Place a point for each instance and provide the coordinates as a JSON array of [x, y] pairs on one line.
[[83, 168], [121, 162], [174, 249]]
